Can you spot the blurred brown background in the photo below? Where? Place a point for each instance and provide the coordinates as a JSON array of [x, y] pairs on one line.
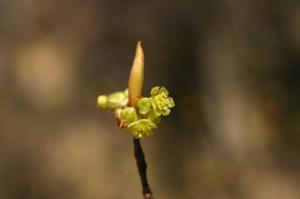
[[233, 68]]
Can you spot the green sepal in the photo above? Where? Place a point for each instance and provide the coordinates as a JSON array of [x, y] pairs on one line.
[[144, 105], [128, 115]]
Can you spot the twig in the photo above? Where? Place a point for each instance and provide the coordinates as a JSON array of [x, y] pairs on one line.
[[142, 168]]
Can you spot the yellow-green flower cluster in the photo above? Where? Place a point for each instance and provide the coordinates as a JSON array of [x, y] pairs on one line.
[[144, 117], [141, 128]]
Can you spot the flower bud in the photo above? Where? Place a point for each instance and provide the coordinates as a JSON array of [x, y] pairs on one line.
[[102, 102], [136, 77]]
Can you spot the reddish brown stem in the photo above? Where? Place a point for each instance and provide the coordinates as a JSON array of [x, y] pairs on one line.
[[142, 168]]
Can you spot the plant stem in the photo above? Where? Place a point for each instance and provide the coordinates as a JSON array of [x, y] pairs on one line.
[[142, 168]]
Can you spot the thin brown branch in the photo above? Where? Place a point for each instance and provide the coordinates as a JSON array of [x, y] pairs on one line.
[[142, 168]]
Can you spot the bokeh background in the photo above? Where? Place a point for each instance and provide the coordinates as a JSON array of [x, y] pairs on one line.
[[233, 68]]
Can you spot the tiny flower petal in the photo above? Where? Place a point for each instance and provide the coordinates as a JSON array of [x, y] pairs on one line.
[[163, 91], [154, 91]]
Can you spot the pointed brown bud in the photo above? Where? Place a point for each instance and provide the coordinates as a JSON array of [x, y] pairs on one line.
[[136, 77]]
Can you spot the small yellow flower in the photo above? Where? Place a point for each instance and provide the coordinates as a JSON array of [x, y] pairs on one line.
[[160, 100]]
